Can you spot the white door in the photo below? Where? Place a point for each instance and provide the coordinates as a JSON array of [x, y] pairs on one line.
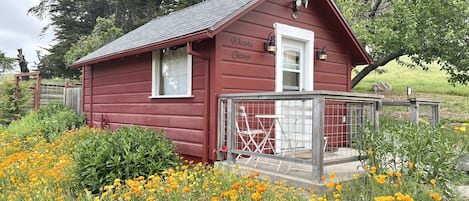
[[294, 72]]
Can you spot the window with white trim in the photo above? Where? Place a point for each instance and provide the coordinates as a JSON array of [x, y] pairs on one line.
[[172, 73]]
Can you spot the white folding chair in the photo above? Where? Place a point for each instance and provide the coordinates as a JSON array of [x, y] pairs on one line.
[[247, 134]]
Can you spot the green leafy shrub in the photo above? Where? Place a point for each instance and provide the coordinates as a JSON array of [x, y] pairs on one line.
[[125, 153], [426, 157], [52, 120], [10, 108]]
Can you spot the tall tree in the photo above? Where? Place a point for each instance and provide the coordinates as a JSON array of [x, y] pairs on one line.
[[426, 31], [104, 32], [72, 19]]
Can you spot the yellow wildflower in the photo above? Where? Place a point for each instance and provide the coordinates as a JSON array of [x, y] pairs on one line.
[[330, 185], [398, 174], [261, 187], [435, 196], [338, 187], [332, 176], [390, 173], [411, 165], [373, 169], [384, 198], [250, 185], [256, 196], [433, 181], [356, 176], [371, 152], [380, 178], [236, 185]]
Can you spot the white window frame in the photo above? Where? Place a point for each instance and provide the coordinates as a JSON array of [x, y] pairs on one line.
[[299, 71], [156, 70], [283, 31]]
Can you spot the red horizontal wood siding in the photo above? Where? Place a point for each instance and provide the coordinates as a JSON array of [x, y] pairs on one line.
[[118, 91], [243, 66], [255, 70]]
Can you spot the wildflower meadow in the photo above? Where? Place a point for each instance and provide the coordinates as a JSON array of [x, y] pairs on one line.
[[405, 162]]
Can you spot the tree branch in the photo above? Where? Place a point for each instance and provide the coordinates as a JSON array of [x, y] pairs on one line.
[[374, 8], [381, 62]]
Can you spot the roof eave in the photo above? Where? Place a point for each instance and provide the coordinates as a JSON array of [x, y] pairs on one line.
[[147, 48], [221, 25], [208, 33]]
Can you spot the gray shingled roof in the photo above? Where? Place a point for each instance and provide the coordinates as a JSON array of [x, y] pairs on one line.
[[200, 17]]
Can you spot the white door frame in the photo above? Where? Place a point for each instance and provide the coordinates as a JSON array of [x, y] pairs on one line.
[[283, 31]]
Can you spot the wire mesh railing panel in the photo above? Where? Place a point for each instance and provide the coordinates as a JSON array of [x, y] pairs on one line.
[[343, 123], [414, 110], [426, 115], [298, 129], [401, 113]]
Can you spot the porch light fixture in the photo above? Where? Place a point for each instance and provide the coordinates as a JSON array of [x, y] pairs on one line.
[[296, 5], [322, 54], [269, 45]]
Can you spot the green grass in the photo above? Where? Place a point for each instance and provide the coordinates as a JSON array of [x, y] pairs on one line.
[[431, 84]]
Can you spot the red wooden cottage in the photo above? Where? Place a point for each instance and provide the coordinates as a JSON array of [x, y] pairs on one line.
[[168, 73]]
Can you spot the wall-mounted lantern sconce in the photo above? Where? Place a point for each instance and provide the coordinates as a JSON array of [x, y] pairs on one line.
[[322, 54], [269, 45]]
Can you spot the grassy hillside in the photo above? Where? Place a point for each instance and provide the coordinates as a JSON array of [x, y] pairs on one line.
[[431, 84]]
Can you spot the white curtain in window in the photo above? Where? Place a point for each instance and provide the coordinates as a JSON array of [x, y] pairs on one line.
[[174, 72]]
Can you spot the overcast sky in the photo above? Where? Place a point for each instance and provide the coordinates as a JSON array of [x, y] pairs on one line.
[[20, 30]]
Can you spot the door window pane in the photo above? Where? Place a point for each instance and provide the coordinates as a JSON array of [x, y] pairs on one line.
[[291, 68], [291, 81], [291, 59]]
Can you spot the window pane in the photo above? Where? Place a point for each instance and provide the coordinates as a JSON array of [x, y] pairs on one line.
[[291, 59], [174, 75], [291, 80]]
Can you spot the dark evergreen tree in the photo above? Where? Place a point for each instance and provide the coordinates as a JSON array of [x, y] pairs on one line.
[[73, 19]]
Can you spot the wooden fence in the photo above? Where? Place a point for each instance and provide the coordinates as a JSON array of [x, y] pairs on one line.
[[61, 92], [72, 98]]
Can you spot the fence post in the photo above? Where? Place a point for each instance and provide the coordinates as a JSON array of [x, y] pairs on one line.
[[435, 114], [229, 131], [37, 92], [414, 107], [318, 138], [376, 107]]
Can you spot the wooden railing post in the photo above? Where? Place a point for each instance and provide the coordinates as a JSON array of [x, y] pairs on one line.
[[37, 92], [318, 138], [435, 114], [221, 129], [230, 122], [414, 111]]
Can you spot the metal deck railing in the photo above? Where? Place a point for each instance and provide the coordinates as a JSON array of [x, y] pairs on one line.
[[315, 128], [415, 110]]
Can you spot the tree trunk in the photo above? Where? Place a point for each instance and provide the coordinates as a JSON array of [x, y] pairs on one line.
[[368, 69]]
